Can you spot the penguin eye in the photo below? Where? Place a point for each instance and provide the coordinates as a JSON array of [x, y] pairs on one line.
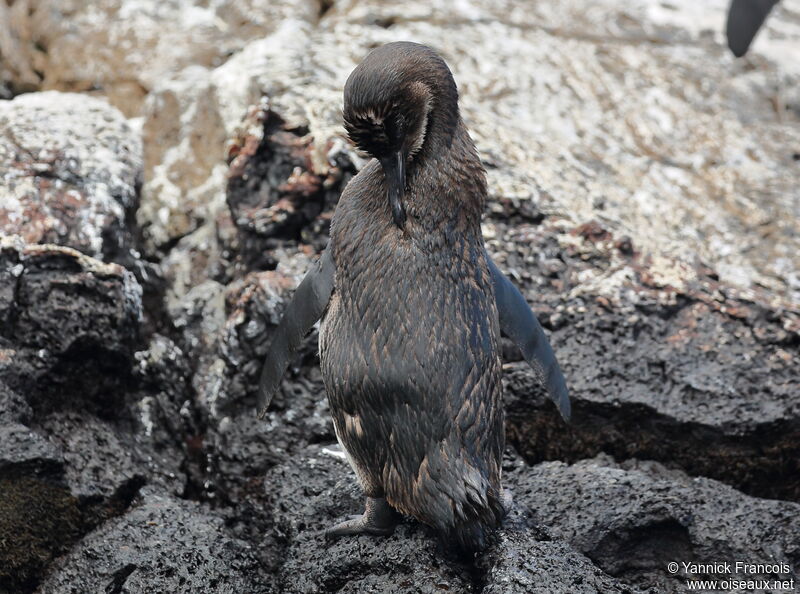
[[390, 128], [395, 127]]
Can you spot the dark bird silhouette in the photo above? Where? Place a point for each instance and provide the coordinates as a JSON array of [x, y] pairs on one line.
[[745, 18], [412, 308]]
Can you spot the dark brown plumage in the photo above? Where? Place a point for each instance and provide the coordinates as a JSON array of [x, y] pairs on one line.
[[409, 341]]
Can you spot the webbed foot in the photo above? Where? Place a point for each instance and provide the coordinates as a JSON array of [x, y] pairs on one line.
[[378, 519]]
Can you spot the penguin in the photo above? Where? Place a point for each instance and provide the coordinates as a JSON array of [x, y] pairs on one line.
[[745, 18], [411, 308]]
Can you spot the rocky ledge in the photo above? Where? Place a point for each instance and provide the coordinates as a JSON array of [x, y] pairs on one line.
[[160, 202]]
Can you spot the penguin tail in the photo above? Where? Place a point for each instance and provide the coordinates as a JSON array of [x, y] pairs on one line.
[[472, 534], [468, 537]]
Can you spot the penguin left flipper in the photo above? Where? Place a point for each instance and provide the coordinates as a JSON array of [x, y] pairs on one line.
[[519, 323], [306, 307]]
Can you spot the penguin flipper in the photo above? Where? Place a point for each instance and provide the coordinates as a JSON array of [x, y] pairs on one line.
[[519, 323], [306, 307], [745, 18]]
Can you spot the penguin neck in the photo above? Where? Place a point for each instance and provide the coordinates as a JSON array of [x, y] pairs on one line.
[[446, 183]]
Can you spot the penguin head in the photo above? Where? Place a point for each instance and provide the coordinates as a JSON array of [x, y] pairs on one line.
[[399, 99]]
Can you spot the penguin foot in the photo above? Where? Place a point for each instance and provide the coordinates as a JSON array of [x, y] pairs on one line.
[[378, 519]]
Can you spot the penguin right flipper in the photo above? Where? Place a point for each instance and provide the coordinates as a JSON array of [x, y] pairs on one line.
[[519, 323], [306, 307], [745, 18]]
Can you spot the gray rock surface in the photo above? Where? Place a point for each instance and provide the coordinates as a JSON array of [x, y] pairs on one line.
[[275, 192], [315, 489], [160, 545], [60, 309], [521, 563], [16, 72], [22, 448], [123, 49], [13, 407], [70, 326], [657, 370], [39, 518], [632, 519], [240, 448], [71, 169], [593, 526], [692, 166]]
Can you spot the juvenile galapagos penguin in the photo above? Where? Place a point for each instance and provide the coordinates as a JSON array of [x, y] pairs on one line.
[[412, 307]]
